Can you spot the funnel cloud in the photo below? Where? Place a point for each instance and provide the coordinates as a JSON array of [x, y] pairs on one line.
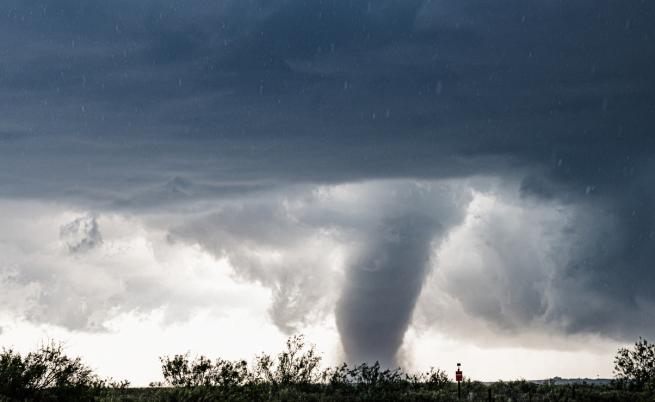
[[382, 286]]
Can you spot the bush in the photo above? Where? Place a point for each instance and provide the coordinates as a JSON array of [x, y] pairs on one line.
[[298, 364], [437, 379], [181, 371], [46, 374]]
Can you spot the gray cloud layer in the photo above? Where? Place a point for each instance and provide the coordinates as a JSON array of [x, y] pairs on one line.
[[156, 104]]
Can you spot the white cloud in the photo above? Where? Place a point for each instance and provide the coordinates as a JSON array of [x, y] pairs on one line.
[[134, 269], [496, 268]]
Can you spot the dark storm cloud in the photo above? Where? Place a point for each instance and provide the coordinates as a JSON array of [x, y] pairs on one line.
[[139, 105]]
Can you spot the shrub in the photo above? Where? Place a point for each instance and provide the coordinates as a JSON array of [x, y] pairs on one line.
[[181, 371], [46, 374], [298, 364], [436, 379]]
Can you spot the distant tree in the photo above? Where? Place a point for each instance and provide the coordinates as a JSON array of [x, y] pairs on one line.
[[636, 366]]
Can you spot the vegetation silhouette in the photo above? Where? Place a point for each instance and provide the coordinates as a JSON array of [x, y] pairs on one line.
[[635, 369], [48, 374], [295, 374]]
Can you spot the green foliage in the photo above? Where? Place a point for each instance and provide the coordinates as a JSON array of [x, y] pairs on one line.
[[636, 368]]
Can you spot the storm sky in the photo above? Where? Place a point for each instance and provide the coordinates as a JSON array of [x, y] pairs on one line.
[[392, 177]]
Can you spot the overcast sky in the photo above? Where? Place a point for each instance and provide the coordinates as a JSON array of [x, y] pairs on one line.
[[418, 182]]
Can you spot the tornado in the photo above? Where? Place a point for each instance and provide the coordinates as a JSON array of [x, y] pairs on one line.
[[382, 285]]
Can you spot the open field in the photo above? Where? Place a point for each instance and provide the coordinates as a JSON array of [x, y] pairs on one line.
[[471, 391]]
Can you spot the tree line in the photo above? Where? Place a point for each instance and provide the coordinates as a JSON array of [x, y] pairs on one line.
[[295, 374]]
